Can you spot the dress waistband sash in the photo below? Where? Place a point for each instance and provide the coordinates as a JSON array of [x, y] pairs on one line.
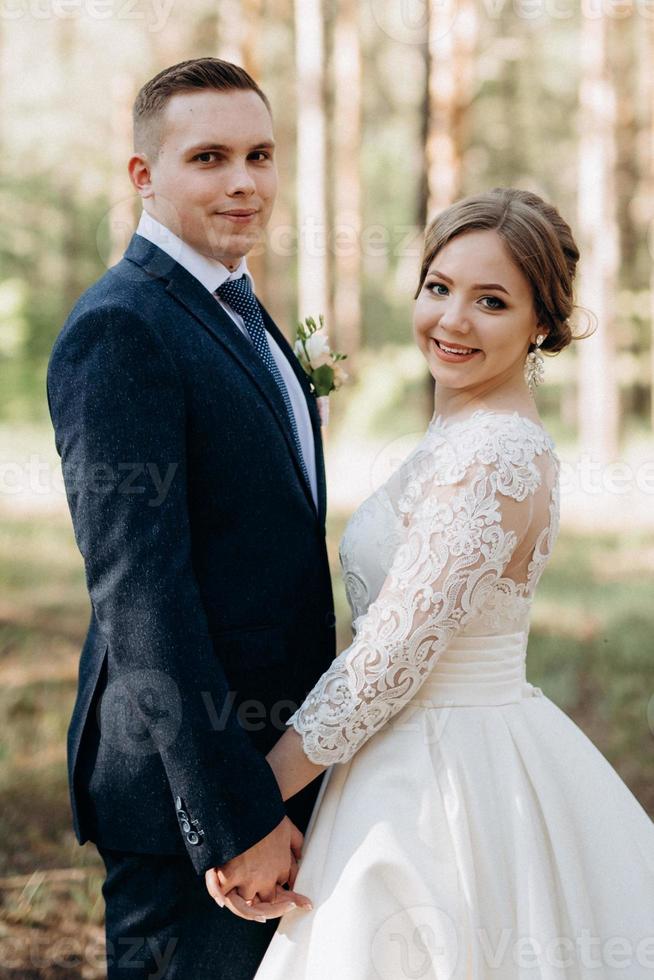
[[479, 670]]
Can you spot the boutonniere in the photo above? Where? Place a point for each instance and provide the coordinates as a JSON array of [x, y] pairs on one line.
[[319, 362]]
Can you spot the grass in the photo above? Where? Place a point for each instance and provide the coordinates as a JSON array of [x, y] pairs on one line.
[[590, 650]]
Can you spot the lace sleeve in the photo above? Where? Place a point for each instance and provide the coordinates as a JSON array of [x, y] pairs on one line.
[[460, 539]]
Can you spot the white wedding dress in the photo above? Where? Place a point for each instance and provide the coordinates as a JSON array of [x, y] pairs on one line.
[[467, 828]]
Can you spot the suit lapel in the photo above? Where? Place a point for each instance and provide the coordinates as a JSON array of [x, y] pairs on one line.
[[197, 300], [312, 405]]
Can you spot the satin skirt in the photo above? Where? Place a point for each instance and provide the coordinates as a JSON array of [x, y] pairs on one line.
[[480, 835]]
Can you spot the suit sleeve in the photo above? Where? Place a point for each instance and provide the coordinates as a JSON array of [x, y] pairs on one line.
[[118, 409]]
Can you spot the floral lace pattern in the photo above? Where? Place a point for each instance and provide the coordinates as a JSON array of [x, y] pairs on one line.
[[454, 542]]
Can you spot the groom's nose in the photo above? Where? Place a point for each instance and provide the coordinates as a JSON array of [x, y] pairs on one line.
[[240, 179]]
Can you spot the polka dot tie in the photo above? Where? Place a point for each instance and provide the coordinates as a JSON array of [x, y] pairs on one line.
[[238, 293]]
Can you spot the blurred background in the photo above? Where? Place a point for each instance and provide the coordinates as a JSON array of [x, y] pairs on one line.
[[384, 111]]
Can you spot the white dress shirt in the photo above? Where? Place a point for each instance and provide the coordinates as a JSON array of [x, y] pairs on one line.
[[211, 274]]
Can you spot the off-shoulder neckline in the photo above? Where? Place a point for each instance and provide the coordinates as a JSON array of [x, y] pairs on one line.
[[439, 421]]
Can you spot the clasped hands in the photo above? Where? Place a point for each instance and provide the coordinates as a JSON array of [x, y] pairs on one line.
[[250, 885]]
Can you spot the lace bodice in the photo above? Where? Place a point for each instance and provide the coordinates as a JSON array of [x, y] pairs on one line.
[[454, 542]]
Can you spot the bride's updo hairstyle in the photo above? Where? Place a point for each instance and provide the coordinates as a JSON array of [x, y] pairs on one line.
[[539, 242]]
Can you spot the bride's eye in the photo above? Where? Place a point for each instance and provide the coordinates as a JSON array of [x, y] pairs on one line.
[[494, 299], [433, 286]]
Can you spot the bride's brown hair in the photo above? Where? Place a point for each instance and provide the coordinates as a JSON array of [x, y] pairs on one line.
[[538, 241]]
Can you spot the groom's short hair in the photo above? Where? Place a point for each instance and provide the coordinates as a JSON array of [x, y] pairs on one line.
[[186, 76]]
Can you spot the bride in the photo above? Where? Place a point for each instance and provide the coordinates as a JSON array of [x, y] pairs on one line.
[[467, 829]]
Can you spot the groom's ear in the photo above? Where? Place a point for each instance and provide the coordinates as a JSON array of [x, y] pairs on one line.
[[139, 169]]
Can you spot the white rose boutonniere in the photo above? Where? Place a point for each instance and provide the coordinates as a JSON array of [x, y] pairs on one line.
[[319, 362]]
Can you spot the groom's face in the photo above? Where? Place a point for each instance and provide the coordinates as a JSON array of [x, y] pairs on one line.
[[216, 158]]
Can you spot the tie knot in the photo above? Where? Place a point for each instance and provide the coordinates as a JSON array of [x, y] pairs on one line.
[[236, 292]]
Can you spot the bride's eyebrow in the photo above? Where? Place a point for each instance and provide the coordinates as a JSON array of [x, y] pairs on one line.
[[491, 285], [476, 285]]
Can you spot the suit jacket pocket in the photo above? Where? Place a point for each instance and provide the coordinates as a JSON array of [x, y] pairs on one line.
[[92, 660]]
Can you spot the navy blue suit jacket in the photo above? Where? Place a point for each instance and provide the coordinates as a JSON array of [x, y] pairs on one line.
[[205, 559]]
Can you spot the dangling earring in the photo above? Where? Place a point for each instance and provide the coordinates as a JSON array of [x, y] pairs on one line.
[[535, 365]]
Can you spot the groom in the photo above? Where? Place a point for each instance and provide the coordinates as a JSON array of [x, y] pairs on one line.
[[192, 459]]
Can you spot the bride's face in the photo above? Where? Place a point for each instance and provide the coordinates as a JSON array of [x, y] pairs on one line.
[[474, 296]]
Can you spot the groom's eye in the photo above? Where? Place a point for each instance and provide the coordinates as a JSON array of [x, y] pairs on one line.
[[202, 157]]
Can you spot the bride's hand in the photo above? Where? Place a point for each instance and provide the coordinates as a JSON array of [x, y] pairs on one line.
[[280, 903], [254, 909], [296, 854], [269, 910]]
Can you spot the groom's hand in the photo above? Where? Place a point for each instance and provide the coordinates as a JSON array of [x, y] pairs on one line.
[[260, 871]]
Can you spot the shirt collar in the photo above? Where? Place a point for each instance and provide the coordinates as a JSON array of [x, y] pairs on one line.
[[210, 272]]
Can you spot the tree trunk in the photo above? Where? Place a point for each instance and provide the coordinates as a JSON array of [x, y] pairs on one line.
[[450, 63], [346, 84], [69, 199], [125, 207], [311, 155], [646, 93], [598, 396], [232, 35], [239, 25], [452, 37], [650, 37]]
